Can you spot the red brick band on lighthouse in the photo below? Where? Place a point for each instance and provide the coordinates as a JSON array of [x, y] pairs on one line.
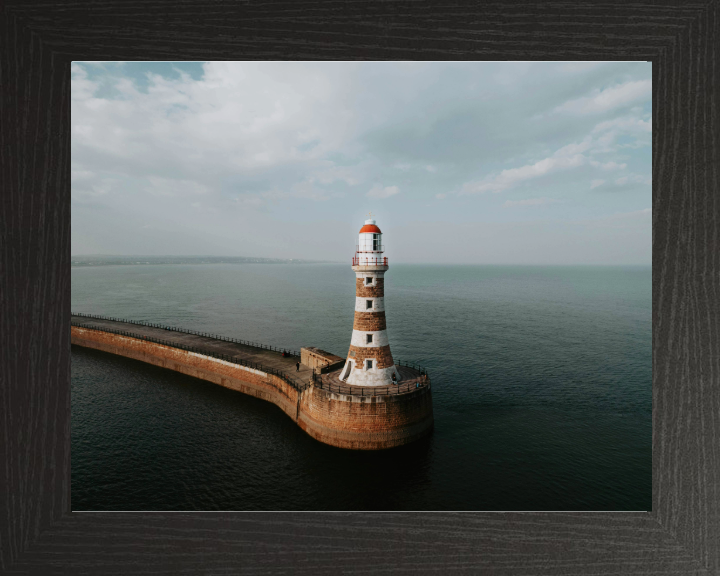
[[369, 361]]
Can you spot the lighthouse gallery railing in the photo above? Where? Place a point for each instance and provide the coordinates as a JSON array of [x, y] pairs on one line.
[[403, 387], [363, 261]]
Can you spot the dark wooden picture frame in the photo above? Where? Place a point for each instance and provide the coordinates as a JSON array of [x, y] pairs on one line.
[[39, 534]]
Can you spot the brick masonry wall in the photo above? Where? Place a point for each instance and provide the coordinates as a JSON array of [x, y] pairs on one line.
[[369, 321], [381, 353], [366, 423], [316, 358], [240, 378], [361, 423], [362, 291]]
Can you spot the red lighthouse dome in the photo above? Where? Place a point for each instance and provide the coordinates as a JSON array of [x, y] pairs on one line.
[[370, 229]]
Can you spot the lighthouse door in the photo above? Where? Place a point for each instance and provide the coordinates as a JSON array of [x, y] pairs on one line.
[[346, 372]]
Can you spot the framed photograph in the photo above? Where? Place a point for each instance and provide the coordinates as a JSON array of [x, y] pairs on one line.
[[480, 342], [363, 314]]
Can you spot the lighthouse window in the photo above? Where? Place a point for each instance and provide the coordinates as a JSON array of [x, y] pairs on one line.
[[368, 304], [369, 339], [376, 241], [368, 280], [368, 364]]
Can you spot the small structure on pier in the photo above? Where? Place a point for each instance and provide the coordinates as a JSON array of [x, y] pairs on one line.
[[318, 360]]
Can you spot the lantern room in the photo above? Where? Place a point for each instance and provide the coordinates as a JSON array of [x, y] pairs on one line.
[[370, 240]]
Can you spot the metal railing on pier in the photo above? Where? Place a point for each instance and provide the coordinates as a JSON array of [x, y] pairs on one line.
[[423, 371], [320, 380], [299, 386], [195, 332]]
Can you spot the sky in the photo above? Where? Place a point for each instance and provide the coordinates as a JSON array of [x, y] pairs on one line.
[[459, 163]]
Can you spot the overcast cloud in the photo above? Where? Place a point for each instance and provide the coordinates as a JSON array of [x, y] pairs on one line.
[[533, 163]]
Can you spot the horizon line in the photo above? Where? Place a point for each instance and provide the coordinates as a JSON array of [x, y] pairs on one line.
[[305, 261]]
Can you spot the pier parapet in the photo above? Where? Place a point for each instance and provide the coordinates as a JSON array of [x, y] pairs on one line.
[[331, 411]]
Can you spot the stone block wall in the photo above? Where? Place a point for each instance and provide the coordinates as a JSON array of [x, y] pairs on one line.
[[345, 421], [379, 353], [366, 423], [363, 291], [240, 378], [370, 321], [316, 358]]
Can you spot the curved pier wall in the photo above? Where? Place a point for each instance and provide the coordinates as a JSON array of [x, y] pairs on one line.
[[344, 421], [366, 422], [241, 378]]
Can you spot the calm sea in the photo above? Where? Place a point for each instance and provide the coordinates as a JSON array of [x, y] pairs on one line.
[[541, 390]]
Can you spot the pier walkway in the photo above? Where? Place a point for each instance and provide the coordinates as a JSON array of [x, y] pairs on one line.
[[204, 343], [266, 357]]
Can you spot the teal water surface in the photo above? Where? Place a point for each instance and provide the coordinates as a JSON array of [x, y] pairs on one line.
[[541, 391]]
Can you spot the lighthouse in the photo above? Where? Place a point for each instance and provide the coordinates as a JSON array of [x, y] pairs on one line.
[[369, 361]]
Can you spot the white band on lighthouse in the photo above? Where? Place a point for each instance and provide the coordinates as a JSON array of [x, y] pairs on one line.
[[360, 339], [361, 376], [375, 304]]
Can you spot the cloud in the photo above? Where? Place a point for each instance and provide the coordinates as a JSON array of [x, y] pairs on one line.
[[625, 124], [608, 165], [256, 141], [82, 87], [89, 186], [239, 118], [378, 191], [80, 175], [509, 178], [250, 200], [350, 175], [622, 220], [305, 190], [528, 202], [172, 187], [406, 166], [606, 133], [623, 181], [633, 179], [569, 156], [575, 67], [608, 99], [575, 148]]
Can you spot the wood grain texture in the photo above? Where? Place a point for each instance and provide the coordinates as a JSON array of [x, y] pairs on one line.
[[38, 534]]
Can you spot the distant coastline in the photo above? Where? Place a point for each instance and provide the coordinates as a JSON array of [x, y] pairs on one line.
[[103, 260], [100, 260]]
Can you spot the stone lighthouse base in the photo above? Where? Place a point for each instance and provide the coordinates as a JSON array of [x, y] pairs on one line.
[[362, 418]]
